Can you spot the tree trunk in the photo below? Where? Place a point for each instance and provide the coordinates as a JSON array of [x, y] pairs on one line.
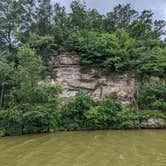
[[136, 106], [2, 96]]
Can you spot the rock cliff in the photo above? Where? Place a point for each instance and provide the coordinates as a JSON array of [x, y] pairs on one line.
[[66, 72]]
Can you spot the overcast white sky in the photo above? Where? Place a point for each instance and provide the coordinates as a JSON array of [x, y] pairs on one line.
[[103, 6]]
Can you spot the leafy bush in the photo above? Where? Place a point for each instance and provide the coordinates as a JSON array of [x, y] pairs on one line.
[[127, 118], [37, 115], [43, 93], [146, 114], [72, 113], [108, 50], [105, 114], [39, 120], [147, 62], [117, 52], [10, 122], [152, 95]]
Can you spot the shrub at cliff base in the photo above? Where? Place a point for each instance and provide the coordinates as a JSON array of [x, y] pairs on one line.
[[73, 111], [104, 115], [152, 95], [10, 122], [76, 113], [127, 118], [40, 119]]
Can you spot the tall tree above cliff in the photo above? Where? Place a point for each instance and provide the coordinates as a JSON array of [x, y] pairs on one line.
[[78, 15], [9, 23], [159, 28], [121, 17], [43, 16]]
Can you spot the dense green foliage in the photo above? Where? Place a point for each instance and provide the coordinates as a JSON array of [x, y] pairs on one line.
[[153, 95], [128, 118], [77, 113], [117, 52], [73, 111], [10, 122], [104, 114], [122, 40], [40, 113]]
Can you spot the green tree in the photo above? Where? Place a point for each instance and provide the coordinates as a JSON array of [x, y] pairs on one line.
[[141, 28], [121, 17], [28, 74], [43, 16], [7, 74], [28, 19], [95, 20], [10, 18], [159, 29], [78, 15], [43, 45]]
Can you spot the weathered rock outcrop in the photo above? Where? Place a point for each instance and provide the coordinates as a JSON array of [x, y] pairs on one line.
[[67, 73], [154, 123]]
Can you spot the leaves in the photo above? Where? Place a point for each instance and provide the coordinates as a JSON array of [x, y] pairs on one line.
[[152, 95]]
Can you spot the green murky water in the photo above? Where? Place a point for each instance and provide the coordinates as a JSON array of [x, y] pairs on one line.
[[93, 148]]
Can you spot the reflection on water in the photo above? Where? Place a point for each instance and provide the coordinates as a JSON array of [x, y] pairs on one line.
[[93, 148]]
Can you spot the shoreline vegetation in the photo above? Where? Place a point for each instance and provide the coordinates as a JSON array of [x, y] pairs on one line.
[[76, 114], [123, 40]]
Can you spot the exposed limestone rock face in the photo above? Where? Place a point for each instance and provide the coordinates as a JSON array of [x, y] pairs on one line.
[[67, 74], [154, 123]]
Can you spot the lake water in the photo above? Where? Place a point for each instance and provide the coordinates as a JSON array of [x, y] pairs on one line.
[[90, 148]]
